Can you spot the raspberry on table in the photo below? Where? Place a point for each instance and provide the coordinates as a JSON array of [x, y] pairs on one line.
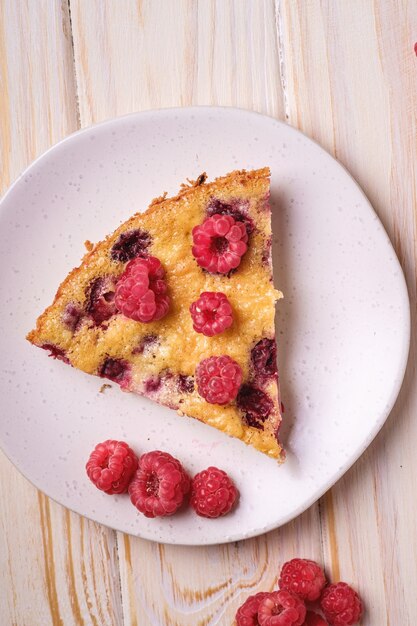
[[219, 243], [314, 619], [213, 493], [211, 313], [160, 484], [281, 608], [218, 379], [247, 614], [341, 605], [303, 577], [141, 290], [111, 466]]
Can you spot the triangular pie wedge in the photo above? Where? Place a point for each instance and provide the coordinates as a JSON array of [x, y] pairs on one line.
[[158, 359]]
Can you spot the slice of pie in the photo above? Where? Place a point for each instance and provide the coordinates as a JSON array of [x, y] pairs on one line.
[[178, 305]]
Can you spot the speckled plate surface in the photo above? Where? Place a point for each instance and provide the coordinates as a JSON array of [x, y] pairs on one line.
[[343, 327]]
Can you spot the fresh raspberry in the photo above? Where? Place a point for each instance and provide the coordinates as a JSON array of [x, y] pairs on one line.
[[160, 484], [219, 243], [211, 313], [341, 605], [314, 619], [303, 577], [247, 614], [281, 608], [218, 379], [111, 466], [213, 493], [141, 290]]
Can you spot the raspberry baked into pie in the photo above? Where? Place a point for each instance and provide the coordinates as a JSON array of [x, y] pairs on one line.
[[178, 305]]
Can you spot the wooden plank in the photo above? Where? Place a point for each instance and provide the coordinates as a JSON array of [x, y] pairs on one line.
[[152, 54], [55, 568], [196, 53], [197, 586], [350, 72], [37, 104]]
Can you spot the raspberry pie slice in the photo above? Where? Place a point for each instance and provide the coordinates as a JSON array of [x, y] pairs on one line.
[[178, 305]]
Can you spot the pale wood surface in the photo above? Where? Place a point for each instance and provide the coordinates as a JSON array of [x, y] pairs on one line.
[[345, 73]]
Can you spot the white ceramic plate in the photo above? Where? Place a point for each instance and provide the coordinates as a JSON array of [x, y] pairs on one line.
[[342, 329]]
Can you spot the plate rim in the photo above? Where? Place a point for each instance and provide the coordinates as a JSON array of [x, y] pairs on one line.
[[404, 338]]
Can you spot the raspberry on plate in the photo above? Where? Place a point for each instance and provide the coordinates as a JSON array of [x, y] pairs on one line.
[[160, 484], [314, 619], [281, 608], [218, 379], [219, 243], [141, 290], [303, 577], [211, 313], [111, 466], [341, 605], [213, 493], [247, 614]]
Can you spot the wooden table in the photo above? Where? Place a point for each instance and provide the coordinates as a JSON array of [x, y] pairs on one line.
[[344, 72]]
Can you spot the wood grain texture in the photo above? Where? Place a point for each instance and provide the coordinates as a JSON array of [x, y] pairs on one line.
[[55, 567], [351, 78], [205, 586], [343, 72], [36, 97], [154, 54]]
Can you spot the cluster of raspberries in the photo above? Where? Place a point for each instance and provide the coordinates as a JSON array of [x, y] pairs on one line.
[[157, 483], [141, 294], [302, 585], [141, 291]]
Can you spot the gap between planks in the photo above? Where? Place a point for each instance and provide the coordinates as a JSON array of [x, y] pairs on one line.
[[74, 67]]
